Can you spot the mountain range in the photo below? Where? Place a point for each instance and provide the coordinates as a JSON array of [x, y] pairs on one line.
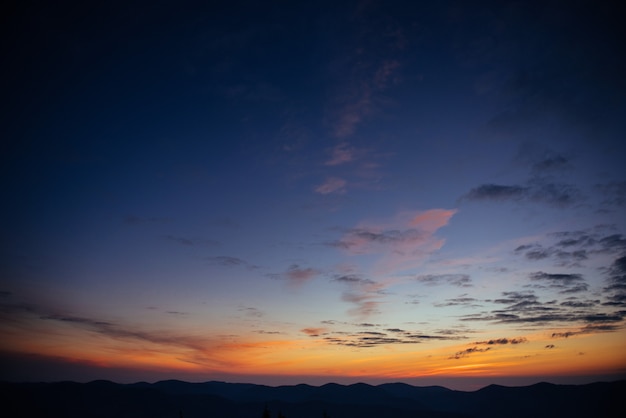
[[175, 399]]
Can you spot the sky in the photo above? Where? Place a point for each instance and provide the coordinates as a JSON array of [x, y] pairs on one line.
[[309, 192]]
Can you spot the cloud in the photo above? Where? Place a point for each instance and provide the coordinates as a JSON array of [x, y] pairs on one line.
[[460, 301], [433, 219], [496, 192], [384, 73], [588, 329], [228, 261], [251, 312], [567, 283], [313, 332], [341, 154], [538, 190], [113, 330], [368, 339], [558, 195], [353, 279], [502, 341], [527, 308], [556, 162], [617, 283], [614, 193], [458, 280], [468, 351], [297, 276], [572, 248], [332, 185], [402, 242], [360, 96], [491, 343], [364, 293]]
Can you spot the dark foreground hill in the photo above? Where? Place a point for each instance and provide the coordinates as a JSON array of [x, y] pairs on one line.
[[171, 399]]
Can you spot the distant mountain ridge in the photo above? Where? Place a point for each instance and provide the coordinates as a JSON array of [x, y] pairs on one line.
[[170, 398]]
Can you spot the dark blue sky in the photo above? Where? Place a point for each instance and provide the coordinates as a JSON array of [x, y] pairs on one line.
[[295, 191]]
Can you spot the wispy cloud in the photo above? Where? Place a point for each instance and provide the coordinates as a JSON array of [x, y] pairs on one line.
[[375, 336], [403, 242], [539, 190], [314, 332], [458, 280], [527, 308], [229, 261], [573, 248], [332, 185], [340, 154], [565, 283], [118, 331], [364, 293], [468, 351], [503, 341], [251, 312], [617, 283], [297, 276], [360, 95], [398, 245], [613, 194]]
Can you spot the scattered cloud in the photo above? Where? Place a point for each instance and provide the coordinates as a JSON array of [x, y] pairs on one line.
[[468, 351], [369, 339], [617, 283], [458, 280], [314, 332], [572, 248], [403, 242], [462, 300], [229, 261], [251, 312], [364, 293], [116, 331], [332, 185], [497, 192], [566, 283], [555, 162], [502, 341], [588, 329], [527, 308], [539, 190], [341, 153], [613, 193], [297, 276]]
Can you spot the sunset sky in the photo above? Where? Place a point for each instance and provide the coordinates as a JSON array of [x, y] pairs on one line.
[[290, 192]]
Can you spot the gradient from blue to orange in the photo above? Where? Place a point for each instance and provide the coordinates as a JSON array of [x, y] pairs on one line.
[[289, 192]]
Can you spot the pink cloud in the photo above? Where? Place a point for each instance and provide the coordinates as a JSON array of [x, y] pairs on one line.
[[351, 115], [313, 332], [332, 185], [298, 276], [384, 72], [341, 154], [402, 243], [433, 219]]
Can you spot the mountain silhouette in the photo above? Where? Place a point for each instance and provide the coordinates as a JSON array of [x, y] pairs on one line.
[[171, 398]]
